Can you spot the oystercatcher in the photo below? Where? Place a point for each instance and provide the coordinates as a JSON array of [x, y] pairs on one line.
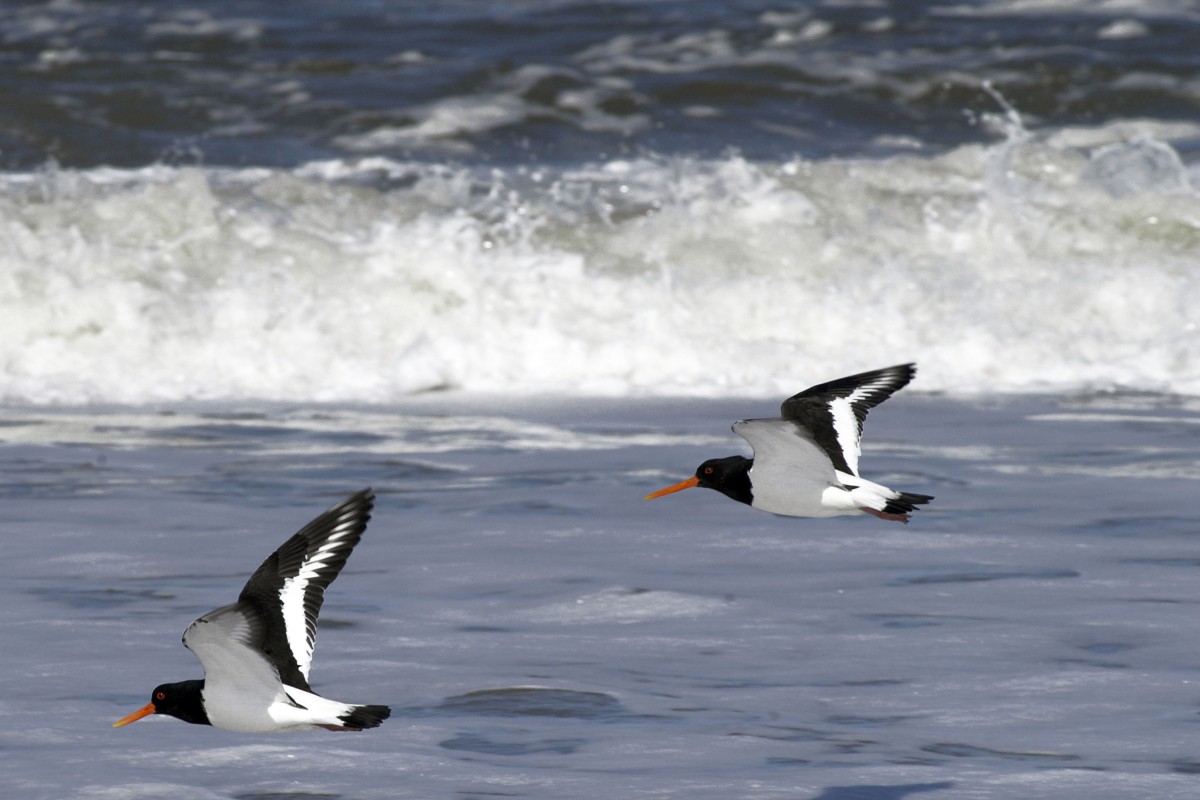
[[257, 652], [806, 462]]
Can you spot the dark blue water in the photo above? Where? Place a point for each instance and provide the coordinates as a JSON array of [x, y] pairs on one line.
[[563, 81]]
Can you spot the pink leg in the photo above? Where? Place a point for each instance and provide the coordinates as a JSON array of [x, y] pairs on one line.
[[884, 515]]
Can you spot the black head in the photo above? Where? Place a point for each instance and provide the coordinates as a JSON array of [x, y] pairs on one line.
[[181, 700], [730, 476]]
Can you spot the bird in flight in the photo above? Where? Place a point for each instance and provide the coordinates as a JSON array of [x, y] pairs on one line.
[[256, 653], [805, 462]]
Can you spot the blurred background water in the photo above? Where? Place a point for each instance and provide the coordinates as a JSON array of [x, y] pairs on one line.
[[352, 202]]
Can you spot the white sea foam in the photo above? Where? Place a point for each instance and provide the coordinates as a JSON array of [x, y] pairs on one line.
[[1059, 262], [141, 789], [625, 606], [439, 124], [1145, 9]]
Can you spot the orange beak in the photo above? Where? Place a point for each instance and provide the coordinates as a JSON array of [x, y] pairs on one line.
[[144, 711], [679, 487]]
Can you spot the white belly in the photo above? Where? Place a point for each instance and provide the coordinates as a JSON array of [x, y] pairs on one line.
[[832, 501], [233, 713]]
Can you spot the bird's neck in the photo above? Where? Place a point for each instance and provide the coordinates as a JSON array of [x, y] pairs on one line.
[[188, 703], [738, 484], [731, 477]]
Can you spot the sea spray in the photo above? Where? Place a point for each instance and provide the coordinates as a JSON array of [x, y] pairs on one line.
[[1061, 261]]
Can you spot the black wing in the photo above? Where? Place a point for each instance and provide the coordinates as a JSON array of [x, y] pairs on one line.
[[289, 587], [834, 412]]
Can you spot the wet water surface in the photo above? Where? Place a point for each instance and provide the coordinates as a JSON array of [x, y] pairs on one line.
[[542, 632]]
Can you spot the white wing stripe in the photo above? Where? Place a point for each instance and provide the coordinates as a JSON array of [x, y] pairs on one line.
[[291, 597], [845, 427]]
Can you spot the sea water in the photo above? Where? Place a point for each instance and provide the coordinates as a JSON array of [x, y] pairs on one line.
[[784, 197], [515, 265], [540, 631]]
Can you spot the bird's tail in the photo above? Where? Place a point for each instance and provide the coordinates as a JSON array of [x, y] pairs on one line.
[[905, 502], [880, 501], [361, 717]]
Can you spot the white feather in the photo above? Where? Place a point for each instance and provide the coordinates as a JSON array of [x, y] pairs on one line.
[[240, 684], [791, 474], [845, 427], [301, 635], [242, 690]]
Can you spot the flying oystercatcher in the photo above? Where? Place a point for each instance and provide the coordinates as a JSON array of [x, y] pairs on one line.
[[257, 652], [806, 462]]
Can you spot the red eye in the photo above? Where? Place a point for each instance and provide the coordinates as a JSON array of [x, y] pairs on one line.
[[708, 470], [159, 695]]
